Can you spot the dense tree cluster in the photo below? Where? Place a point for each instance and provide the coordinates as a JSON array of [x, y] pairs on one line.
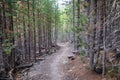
[[28, 29], [96, 32], [101, 34]]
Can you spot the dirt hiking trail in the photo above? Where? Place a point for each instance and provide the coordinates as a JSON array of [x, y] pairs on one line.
[[50, 68], [58, 67]]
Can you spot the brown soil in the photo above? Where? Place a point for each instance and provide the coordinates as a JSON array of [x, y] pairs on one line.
[[78, 69]]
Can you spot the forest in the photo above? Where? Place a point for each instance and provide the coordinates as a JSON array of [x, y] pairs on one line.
[[59, 39]]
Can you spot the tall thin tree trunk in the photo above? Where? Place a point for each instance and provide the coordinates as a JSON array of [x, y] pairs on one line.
[[1, 42], [93, 32], [34, 26], [74, 23], [104, 35], [25, 40], [78, 24], [29, 31]]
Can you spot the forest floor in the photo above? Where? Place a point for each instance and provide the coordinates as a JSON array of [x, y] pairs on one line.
[[58, 67]]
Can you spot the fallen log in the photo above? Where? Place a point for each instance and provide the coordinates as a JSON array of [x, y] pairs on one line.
[[23, 66]]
